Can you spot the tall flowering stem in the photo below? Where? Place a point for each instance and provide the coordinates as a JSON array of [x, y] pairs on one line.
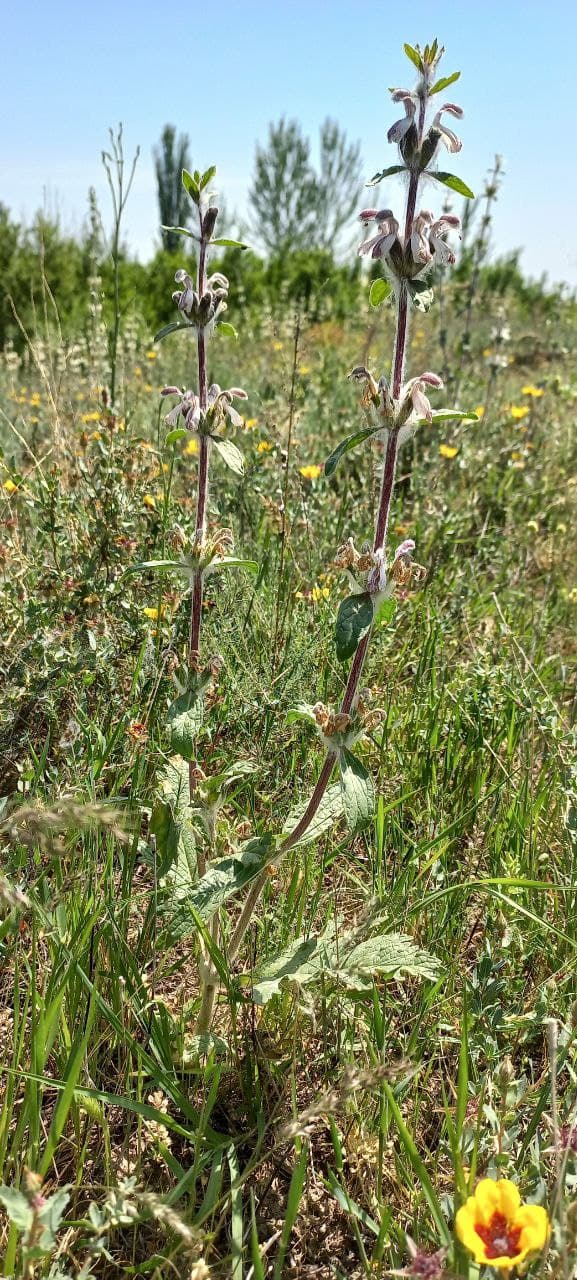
[[394, 409]]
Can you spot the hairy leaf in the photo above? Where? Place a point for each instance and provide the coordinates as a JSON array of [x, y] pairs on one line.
[[171, 328], [390, 953], [224, 243], [300, 964], [359, 798], [226, 877], [354, 619], [379, 290], [226, 329], [170, 823], [444, 83], [328, 812], [229, 454], [350, 442], [456, 184], [385, 173], [185, 717]]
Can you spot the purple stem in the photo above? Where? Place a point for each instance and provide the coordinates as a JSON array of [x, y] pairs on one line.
[[202, 489], [381, 527]]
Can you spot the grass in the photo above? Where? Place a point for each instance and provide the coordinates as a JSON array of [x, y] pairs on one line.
[[310, 1133]]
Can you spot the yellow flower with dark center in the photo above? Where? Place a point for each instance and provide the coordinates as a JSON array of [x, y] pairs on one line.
[[311, 472], [448, 451], [535, 392], [497, 1228]]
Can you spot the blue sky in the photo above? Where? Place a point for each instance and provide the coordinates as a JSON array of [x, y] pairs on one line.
[[221, 71]]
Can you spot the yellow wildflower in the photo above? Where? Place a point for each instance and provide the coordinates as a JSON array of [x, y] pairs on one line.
[[448, 451], [518, 411], [138, 372], [497, 1229], [149, 501], [487, 352], [153, 613], [9, 486], [516, 456], [480, 411], [277, 346], [96, 435], [250, 423], [304, 368], [263, 446], [530, 390], [34, 398], [191, 447], [320, 593], [151, 355], [90, 417], [312, 472], [34, 419]]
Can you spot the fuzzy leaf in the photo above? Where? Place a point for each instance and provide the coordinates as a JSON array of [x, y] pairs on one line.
[[386, 611], [181, 231], [171, 328], [191, 184], [17, 1207], [456, 184], [444, 83], [421, 294], [227, 330], [185, 716], [207, 177], [303, 711], [354, 619], [227, 876], [385, 173], [231, 562], [393, 954], [229, 454], [358, 789], [414, 56], [328, 812], [170, 823], [350, 442], [178, 433], [379, 290], [224, 243], [301, 964]]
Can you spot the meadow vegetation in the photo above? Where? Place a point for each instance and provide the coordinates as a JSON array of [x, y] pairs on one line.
[[397, 1020]]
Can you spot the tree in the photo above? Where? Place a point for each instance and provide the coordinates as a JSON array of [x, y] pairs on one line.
[[170, 158], [294, 207]]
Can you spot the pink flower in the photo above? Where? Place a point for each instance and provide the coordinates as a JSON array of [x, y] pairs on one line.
[[387, 226], [398, 130], [447, 137], [413, 397], [428, 237]]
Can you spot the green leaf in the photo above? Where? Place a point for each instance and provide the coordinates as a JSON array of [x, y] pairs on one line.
[[379, 290], [328, 812], [359, 798], [185, 716], [17, 1207], [350, 442], [191, 184], [170, 824], [303, 711], [386, 173], [229, 454], [171, 328], [227, 330], [231, 562], [392, 954], [449, 415], [421, 294], [444, 83], [300, 964], [228, 876], [178, 433], [52, 1213], [207, 177], [179, 566], [354, 619], [224, 243], [181, 231], [456, 184], [414, 56], [386, 611]]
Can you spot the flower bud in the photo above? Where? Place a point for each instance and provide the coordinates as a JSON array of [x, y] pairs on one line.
[[208, 222]]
